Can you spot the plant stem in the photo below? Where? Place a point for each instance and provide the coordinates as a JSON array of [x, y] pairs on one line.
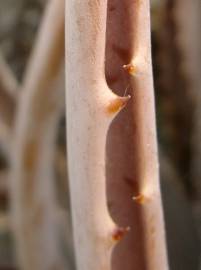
[[33, 200], [91, 106]]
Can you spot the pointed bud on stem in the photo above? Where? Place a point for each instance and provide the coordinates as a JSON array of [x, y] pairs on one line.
[[130, 68], [119, 233], [117, 104], [140, 199]]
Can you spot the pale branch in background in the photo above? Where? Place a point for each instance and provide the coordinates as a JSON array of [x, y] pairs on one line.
[[4, 181], [9, 89], [5, 140], [8, 80], [33, 201]]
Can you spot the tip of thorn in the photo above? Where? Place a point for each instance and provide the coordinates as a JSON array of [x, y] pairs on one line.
[[119, 233], [130, 69], [123, 101], [139, 199], [117, 104]]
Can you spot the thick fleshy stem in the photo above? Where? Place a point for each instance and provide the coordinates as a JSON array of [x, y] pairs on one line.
[[91, 106]]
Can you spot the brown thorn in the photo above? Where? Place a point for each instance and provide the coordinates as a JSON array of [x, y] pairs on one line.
[[139, 199], [130, 68], [119, 233], [117, 104]]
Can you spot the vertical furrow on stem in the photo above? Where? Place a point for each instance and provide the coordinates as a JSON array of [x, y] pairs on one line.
[[33, 199], [122, 182], [91, 106]]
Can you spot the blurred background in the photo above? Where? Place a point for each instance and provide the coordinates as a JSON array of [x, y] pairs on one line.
[[176, 45]]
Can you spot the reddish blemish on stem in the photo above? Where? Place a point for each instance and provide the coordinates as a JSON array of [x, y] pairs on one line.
[[130, 69], [117, 104], [119, 233]]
